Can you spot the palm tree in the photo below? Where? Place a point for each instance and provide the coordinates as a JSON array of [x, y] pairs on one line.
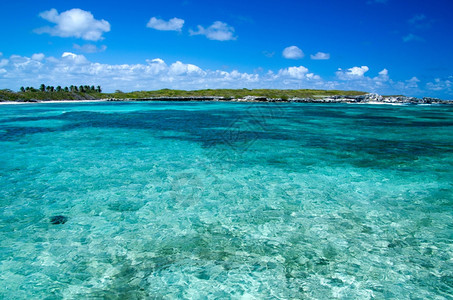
[[42, 88], [22, 89], [59, 88]]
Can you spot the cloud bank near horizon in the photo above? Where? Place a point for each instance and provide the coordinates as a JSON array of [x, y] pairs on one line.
[[76, 69]]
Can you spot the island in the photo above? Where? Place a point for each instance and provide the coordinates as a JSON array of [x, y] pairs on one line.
[[90, 93]]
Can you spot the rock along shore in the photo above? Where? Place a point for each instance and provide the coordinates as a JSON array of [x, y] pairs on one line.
[[362, 99], [367, 98]]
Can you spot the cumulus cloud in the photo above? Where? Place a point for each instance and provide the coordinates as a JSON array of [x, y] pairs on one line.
[[382, 76], [218, 31], [3, 62], [29, 67], [72, 68], [381, 80], [384, 73], [412, 83], [352, 73], [441, 84], [356, 79], [292, 52], [179, 68], [74, 23], [38, 56], [320, 56], [74, 58], [174, 24], [296, 72], [300, 72]]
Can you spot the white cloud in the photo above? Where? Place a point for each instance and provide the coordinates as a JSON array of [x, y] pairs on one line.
[[74, 23], [3, 62], [90, 48], [300, 72], [76, 69], [412, 38], [320, 56], [38, 56], [218, 31], [74, 58], [383, 76], [413, 82], [233, 78], [293, 52], [295, 72], [31, 68], [441, 84], [355, 79], [384, 72], [352, 73], [178, 68], [69, 55], [174, 24]]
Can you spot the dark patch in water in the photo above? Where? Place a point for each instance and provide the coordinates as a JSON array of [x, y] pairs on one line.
[[55, 220], [209, 128], [238, 126]]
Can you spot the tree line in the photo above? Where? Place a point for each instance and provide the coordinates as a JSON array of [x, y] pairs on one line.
[[72, 88]]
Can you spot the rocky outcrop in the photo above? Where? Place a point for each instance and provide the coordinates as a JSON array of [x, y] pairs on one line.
[[366, 98], [374, 98]]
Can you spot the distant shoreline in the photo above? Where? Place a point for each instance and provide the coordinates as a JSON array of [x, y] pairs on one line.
[[50, 101], [50, 94], [350, 99]]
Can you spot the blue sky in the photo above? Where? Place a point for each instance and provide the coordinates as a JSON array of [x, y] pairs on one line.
[[384, 46]]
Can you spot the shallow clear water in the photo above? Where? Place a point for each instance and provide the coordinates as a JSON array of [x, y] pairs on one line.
[[208, 200]]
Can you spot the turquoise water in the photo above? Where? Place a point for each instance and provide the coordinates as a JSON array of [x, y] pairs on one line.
[[206, 200]]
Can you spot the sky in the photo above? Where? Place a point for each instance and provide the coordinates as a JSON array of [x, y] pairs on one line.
[[390, 47]]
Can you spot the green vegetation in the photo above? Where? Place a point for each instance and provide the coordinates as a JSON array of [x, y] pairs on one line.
[[26, 94], [85, 92], [234, 93]]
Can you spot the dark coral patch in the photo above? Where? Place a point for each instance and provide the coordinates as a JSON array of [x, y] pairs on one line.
[[58, 220]]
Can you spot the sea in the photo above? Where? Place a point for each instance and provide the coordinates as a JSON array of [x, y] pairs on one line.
[[222, 200]]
